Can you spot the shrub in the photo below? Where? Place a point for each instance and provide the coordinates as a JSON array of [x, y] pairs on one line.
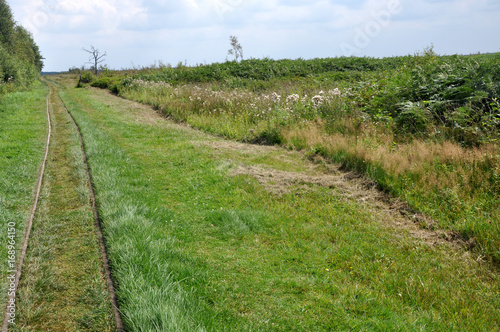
[[86, 77], [103, 82], [74, 70]]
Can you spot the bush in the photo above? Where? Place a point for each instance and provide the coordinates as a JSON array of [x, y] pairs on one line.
[[457, 92], [86, 77], [20, 58], [103, 82], [74, 70]]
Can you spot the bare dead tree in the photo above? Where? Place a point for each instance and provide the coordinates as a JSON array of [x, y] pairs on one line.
[[236, 49], [96, 57]]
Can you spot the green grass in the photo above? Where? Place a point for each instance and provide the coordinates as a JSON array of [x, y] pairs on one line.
[[23, 133], [194, 248], [62, 287]]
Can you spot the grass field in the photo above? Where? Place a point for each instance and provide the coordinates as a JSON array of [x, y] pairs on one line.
[[208, 234]]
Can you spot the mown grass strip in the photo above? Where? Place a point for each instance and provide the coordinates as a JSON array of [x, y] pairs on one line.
[[107, 271], [194, 248], [63, 286]]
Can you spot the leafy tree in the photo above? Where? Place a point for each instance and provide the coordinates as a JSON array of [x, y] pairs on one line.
[[6, 24], [20, 58], [26, 49]]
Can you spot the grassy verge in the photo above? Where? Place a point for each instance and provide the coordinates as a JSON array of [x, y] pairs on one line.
[[197, 245], [23, 131], [62, 287]]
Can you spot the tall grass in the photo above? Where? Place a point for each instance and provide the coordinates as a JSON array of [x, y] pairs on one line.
[[456, 188]]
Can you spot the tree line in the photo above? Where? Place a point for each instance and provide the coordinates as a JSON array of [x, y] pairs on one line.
[[20, 59]]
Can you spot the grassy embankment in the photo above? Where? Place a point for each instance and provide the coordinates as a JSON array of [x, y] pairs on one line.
[[63, 287], [194, 246], [424, 127], [23, 133]]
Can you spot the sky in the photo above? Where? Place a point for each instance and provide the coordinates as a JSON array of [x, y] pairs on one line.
[[140, 33]]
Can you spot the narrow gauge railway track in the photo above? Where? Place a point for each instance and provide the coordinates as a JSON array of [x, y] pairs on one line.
[[106, 267], [13, 288], [107, 270]]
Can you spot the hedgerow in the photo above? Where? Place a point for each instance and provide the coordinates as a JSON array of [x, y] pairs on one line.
[[20, 58]]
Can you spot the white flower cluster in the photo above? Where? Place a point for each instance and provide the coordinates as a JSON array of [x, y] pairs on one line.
[[293, 98], [317, 100], [276, 97], [146, 84], [213, 101], [335, 92]]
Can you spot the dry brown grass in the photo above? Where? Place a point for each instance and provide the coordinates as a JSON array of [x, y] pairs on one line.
[[414, 157]]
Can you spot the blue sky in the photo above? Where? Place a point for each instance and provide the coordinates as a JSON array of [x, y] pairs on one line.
[[137, 33]]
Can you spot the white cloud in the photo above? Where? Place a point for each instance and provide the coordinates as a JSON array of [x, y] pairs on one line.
[[88, 7], [141, 31], [55, 16]]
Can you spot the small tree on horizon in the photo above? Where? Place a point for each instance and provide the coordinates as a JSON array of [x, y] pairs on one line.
[[236, 49], [96, 57]]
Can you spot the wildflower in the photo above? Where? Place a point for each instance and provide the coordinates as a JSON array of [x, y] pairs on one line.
[[335, 92], [317, 100], [276, 97], [292, 98]]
